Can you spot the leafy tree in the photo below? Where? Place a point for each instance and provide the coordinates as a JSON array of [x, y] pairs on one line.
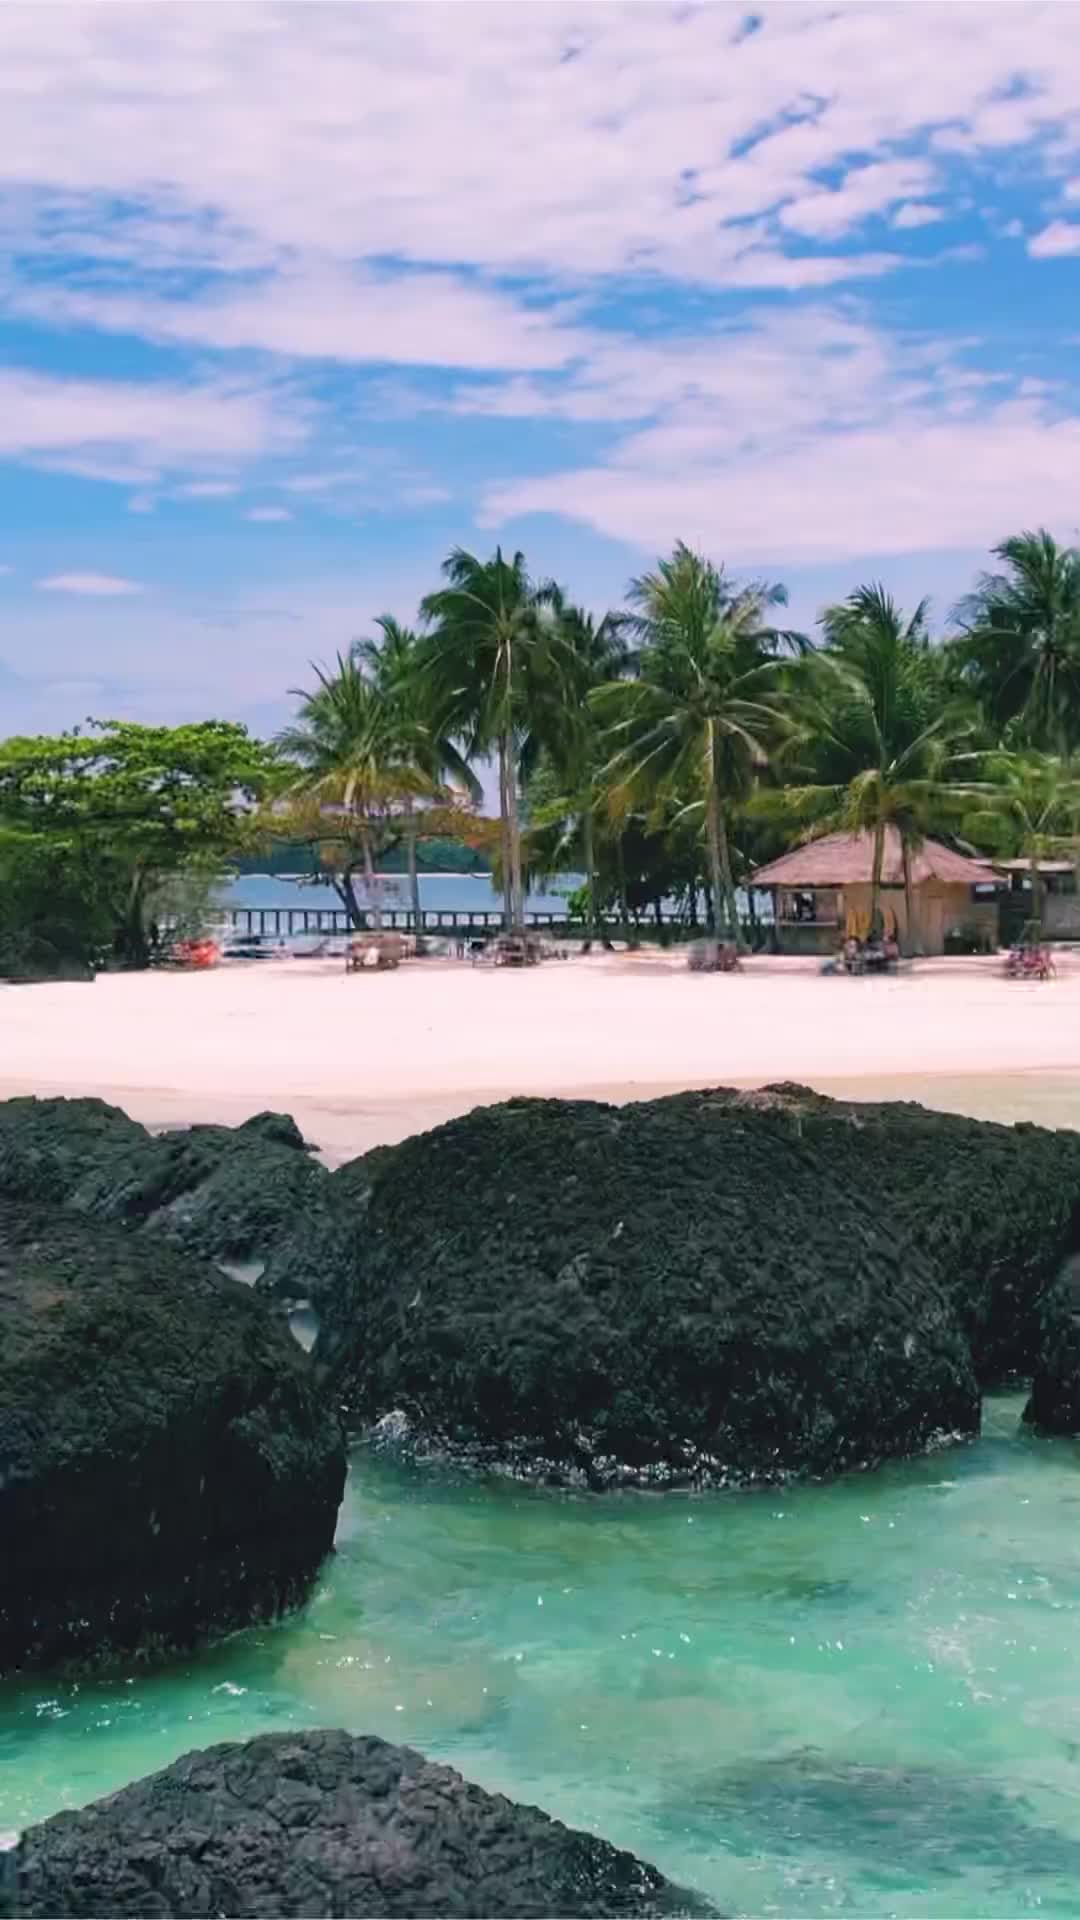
[[1026, 807], [351, 758], [497, 664], [137, 803], [568, 797], [396, 664], [1019, 645], [367, 756], [55, 921], [706, 707], [875, 740]]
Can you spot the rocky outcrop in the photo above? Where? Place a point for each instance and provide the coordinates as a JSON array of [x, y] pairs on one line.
[[249, 1194], [995, 1208], [684, 1289], [168, 1467], [322, 1824], [1054, 1405]]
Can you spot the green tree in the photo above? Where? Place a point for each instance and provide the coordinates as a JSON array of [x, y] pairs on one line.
[[496, 660], [1026, 807], [1019, 644], [421, 721], [568, 794], [876, 739], [706, 707], [138, 803], [353, 759]]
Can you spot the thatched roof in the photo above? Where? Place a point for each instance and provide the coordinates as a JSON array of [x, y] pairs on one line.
[[847, 859]]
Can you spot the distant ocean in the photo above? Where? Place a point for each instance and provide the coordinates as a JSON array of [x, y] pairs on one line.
[[445, 892]]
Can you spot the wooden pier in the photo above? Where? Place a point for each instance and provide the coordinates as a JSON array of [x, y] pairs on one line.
[[282, 923]]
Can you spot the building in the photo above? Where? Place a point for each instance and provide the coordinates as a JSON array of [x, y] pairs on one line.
[[821, 892]]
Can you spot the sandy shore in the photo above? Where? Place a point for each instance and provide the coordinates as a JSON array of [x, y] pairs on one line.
[[371, 1058]]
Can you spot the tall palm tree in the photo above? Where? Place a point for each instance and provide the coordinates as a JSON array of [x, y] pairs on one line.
[[1019, 644], [1027, 806], [598, 655], [705, 708], [348, 747], [495, 656], [876, 738], [394, 663]]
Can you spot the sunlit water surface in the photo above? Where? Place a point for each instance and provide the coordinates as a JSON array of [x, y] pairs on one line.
[[861, 1698]]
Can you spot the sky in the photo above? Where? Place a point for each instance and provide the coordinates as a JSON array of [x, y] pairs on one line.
[[294, 298]]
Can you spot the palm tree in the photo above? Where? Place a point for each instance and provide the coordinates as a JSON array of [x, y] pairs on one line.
[[1019, 644], [495, 658], [598, 655], [1027, 806], [394, 662], [350, 753], [875, 740], [705, 709]]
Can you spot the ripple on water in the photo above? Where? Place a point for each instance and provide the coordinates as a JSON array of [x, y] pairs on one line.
[[855, 1699]]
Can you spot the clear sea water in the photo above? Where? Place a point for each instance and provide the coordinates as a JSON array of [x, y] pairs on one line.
[[445, 891], [859, 1699]]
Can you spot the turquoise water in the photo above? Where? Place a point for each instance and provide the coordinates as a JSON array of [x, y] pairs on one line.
[[445, 892], [860, 1699]]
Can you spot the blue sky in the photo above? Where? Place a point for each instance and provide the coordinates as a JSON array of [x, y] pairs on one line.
[[296, 297]]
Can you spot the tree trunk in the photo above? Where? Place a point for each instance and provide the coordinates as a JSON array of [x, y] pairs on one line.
[[875, 878], [624, 903], [712, 836], [1036, 893], [589, 848], [132, 941], [517, 900], [346, 893], [414, 876], [504, 836], [731, 905], [372, 882], [914, 941]]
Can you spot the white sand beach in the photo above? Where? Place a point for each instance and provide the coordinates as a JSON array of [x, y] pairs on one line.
[[364, 1059]]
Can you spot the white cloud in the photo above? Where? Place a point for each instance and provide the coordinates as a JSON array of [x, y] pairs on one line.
[[128, 433], [268, 514], [96, 586], [1071, 189], [322, 313], [1060, 237], [864, 191], [207, 489], [554, 139], [934, 486], [915, 213]]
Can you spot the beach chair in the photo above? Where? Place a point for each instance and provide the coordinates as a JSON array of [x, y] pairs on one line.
[[373, 953]]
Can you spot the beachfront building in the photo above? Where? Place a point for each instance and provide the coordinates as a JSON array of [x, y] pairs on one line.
[[821, 893]]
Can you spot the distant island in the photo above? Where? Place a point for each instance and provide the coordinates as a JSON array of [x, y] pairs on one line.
[[432, 856]]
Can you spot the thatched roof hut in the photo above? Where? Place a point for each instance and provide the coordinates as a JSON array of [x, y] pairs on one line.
[[822, 891]]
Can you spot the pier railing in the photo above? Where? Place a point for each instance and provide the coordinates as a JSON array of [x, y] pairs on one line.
[[283, 922]]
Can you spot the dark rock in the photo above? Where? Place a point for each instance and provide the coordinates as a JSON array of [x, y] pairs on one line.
[[323, 1824], [47, 1146], [281, 1128], [167, 1465], [685, 1288], [1054, 1406], [996, 1208], [250, 1193]]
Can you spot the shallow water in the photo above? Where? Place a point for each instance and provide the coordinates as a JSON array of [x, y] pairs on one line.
[[861, 1699]]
